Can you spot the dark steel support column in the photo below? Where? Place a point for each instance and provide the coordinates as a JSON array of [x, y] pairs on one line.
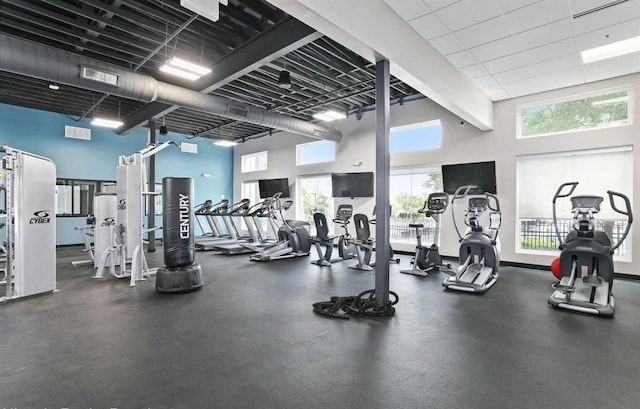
[[151, 200], [383, 210]]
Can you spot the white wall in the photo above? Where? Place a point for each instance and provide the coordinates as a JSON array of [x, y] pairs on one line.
[[460, 144]]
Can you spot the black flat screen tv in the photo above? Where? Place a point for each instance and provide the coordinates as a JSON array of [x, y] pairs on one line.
[[481, 174], [269, 187], [355, 184]]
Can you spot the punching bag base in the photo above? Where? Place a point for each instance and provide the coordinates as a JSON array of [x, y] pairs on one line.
[[179, 279]]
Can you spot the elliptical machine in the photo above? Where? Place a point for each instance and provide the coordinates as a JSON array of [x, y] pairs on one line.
[[479, 247], [428, 259], [586, 257]]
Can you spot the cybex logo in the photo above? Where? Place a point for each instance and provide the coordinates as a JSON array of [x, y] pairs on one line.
[[584, 248], [108, 221], [122, 204], [41, 216], [185, 229]]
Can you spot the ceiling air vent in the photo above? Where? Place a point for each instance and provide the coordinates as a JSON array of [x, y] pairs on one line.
[[237, 111], [599, 8], [100, 76]]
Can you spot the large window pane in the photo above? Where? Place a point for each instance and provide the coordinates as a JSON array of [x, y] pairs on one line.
[[538, 178], [315, 152], [408, 190], [253, 162], [415, 137], [314, 195], [601, 110]]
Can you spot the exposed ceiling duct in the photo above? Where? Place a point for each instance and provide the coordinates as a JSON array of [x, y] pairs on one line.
[[46, 63]]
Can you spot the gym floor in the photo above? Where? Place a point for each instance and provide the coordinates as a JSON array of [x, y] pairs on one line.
[[249, 339]]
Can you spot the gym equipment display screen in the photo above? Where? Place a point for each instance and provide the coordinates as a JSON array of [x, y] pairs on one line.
[[269, 187], [357, 184], [481, 174]]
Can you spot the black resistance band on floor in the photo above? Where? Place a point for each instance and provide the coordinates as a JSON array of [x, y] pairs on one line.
[[358, 305]]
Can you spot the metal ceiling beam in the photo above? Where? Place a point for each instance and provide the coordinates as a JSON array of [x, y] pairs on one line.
[[278, 41]]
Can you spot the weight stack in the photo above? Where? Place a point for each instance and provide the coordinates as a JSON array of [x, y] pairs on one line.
[[179, 274]]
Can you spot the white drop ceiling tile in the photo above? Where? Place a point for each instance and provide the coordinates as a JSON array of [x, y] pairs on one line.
[[485, 82], [553, 50], [466, 13], [546, 34], [537, 14], [408, 9], [506, 6], [515, 75], [497, 49], [485, 32], [598, 76], [571, 61], [474, 71], [623, 62], [462, 59], [520, 88], [496, 93], [507, 63], [608, 17], [429, 26], [447, 44], [438, 4], [579, 6], [618, 32]]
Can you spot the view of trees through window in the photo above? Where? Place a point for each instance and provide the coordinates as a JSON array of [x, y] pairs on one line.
[[314, 195], [604, 110]]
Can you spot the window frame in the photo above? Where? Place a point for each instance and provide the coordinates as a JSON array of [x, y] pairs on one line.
[[423, 124], [252, 156], [303, 145], [97, 187], [576, 97]]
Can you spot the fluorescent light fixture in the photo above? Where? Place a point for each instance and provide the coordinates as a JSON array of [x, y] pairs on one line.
[[610, 101], [107, 123], [616, 49], [225, 143], [329, 116], [184, 69], [54, 87]]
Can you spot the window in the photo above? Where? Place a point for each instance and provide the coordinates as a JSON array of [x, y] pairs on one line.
[[315, 152], [314, 195], [408, 190], [538, 178], [415, 137], [250, 191], [75, 197], [254, 162], [588, 111]]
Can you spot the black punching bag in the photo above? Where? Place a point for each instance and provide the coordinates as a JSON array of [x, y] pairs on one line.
[[177, 222], [179, 274]]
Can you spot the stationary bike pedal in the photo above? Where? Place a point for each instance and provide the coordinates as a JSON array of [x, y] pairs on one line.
[[593, 281], [563, 288]]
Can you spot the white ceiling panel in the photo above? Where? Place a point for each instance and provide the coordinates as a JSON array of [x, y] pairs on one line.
[[466, 13], [429, 26], [622, 62], [571, 61], [485, 82], [537, 14], [560, 79], [474, 71], [462, 59], [546, 34], [553, 50], [515, 75], [599, 76], [608, 17], [497, 49], [507, 63], [599, 37], [438, 4], [506, 6], [447, 44], [408, 9], [496, 93], [485, 32]]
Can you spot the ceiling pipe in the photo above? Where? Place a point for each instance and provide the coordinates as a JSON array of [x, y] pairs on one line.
[[50, 64]]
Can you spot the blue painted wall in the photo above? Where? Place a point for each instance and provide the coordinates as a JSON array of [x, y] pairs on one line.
[[42, 133]]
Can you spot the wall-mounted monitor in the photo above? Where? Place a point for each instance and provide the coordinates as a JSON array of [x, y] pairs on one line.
[[355, 184], [481, 174], [269, 187]]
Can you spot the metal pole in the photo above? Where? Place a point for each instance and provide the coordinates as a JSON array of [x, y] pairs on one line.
[[151, 216], [383, 210]]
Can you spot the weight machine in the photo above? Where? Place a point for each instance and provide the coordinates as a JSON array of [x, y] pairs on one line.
[[29, 206]]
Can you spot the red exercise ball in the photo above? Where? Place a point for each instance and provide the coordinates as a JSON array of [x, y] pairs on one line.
[[555, 267]]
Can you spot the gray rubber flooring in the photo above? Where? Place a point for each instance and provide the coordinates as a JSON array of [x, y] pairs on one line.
[[249, 339]]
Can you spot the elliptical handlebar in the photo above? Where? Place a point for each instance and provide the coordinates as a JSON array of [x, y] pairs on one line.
[[562, 186], [460, 193], [558, 195], [627, 213], [495, 208]]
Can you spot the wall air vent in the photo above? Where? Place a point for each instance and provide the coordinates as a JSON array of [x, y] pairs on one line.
[[98, 75], [599, 8], [188, 147], [237, 111], [77, 133]]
